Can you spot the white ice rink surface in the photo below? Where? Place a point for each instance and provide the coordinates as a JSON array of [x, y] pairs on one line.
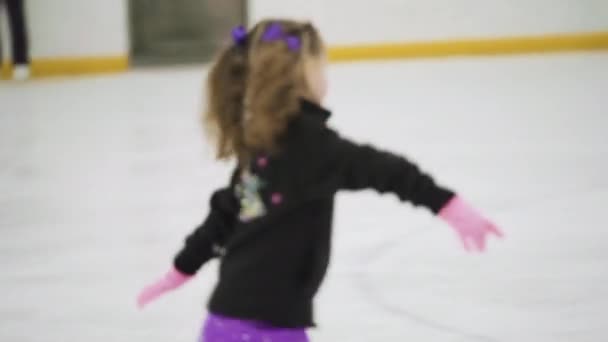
[[101, 179]]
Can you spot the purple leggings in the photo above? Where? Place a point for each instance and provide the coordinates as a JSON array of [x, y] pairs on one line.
[[224, 329]]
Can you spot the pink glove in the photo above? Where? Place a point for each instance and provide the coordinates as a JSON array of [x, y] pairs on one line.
[[468, 223], [172, 280]]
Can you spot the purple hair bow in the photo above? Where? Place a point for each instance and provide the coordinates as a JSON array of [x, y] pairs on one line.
[[239, 35], [275, 32]]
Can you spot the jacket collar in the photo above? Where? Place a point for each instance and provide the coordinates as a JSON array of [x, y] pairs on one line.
[[310, 108]]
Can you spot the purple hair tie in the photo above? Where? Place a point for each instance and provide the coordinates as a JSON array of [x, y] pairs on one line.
[[239, 35], [293, 43], [275, 32]]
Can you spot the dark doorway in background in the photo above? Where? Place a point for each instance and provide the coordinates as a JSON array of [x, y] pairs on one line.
[[168, 32]]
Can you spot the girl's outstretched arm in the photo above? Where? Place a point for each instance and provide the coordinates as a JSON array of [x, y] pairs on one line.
[[351, 166], [200, 247], [345, 165]]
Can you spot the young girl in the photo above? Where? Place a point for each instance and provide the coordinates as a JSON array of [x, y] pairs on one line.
[[271, 225]]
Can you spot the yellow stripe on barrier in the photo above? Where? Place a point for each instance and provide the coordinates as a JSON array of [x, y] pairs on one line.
[[472, 47], [44, 67], [5, 70], [77, 66]]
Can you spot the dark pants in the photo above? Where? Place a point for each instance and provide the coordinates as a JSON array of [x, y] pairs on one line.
[[16, 18]]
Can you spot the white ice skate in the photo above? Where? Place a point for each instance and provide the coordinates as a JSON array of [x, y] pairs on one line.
[[21, 72]]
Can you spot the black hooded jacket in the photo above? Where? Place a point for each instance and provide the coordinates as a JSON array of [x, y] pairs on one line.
[[272, 225]]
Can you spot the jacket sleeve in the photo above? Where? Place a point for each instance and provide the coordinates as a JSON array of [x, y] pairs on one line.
[[201, 245], [357, 167]]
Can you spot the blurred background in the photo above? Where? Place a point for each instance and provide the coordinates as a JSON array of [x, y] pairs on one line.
[[69, 36], [104, 168]]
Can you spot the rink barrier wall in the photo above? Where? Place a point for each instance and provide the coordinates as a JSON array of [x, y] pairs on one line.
[[473, 47], [44, 67]]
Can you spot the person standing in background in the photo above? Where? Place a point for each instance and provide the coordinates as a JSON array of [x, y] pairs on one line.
[[19, 42]]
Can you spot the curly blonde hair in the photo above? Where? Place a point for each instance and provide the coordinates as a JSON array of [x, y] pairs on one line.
[[254, 89]]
